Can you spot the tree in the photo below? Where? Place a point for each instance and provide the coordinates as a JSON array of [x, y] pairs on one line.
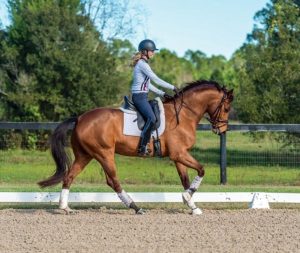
[[122, 51], [172, 68], [200, 64], [215, 68], [268, 69], [114, 18], [270, 73], [55, 62]]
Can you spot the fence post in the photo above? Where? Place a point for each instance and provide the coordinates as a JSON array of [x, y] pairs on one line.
[[223, 159]]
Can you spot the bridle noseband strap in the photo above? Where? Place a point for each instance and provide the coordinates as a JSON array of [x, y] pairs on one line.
[[215, 118]]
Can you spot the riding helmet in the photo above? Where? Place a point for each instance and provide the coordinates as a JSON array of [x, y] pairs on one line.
[[148, 45]]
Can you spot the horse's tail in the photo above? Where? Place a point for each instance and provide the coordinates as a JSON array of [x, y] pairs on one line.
[[58, 142]]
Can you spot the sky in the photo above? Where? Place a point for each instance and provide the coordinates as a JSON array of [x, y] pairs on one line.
[[212, 26]]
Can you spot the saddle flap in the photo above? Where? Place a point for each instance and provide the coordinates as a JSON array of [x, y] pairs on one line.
[[155, 108], [141, 121], [128, 105], [134, 122]]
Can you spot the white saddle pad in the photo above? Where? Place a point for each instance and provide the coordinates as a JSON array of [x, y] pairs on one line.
[[130, 126]]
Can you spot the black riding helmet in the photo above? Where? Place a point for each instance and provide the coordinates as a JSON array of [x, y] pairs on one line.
[[148, 45]]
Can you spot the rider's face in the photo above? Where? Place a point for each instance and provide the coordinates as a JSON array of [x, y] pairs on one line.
[[151, 53]]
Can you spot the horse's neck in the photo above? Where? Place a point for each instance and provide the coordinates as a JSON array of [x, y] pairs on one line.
[[198, 103]]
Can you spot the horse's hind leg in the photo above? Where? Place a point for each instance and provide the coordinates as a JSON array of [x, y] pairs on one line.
[[124, 197], [81, 160], [108, 163]]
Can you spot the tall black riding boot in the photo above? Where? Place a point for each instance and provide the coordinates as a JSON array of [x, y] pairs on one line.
[[145, 138]]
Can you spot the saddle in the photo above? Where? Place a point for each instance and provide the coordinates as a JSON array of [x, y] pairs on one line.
[[128, 105]]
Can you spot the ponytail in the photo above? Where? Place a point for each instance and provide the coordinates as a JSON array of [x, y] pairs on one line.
[[135, 58]]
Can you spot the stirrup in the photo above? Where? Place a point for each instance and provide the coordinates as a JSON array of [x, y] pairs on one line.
[[144, 151]]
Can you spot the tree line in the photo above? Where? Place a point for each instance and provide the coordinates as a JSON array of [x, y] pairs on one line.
[[63, 57]]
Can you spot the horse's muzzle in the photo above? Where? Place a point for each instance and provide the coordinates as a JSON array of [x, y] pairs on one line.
[[218, 131]]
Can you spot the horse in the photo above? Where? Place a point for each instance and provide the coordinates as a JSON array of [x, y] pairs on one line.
[[97, 134]]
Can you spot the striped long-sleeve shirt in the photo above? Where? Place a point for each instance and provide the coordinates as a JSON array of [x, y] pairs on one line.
[[142, 77]]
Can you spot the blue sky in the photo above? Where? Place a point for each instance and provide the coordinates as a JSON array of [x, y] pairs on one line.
[[214, 27]]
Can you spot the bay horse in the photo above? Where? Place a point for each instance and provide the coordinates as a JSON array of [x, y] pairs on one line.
[[98, 134]]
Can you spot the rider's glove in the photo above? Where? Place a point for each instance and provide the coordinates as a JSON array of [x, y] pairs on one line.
[[176, 90]]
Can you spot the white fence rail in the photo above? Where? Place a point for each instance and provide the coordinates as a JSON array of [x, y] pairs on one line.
[[153, 197]]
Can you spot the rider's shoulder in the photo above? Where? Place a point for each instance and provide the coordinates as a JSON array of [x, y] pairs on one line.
[[142, 62]]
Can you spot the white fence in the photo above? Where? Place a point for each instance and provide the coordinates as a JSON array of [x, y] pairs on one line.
[[152, 197]]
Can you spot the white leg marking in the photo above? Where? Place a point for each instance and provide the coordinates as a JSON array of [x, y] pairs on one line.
[[187, 199], [125, 198], [195, 184], [64, 196], [194, 187]]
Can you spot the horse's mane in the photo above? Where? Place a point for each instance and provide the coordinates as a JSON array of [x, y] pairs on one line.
[[196, 84], [201, 83]]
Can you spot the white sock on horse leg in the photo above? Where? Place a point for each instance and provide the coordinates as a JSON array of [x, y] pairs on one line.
[[195, 185], [191, 204], [125, 198], [64, 196]]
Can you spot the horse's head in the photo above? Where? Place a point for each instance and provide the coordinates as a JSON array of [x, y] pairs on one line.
[[212, 98], [219, 112]]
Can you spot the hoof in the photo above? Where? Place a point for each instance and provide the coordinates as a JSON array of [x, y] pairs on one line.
[[68, 210], [141, 211], [186, 197], [196, 211]]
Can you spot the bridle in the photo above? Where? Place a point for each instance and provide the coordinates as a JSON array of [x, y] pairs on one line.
[[215, 117]]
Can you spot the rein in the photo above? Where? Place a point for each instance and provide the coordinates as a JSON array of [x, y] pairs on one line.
[[215, 118], [176, 112], [182, 103], [180, 106]]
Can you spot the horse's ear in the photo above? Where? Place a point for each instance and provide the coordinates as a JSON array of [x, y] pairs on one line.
[[230, 94]]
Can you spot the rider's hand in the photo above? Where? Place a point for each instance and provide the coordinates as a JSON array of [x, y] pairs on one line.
[[167, 96], [175, 89]]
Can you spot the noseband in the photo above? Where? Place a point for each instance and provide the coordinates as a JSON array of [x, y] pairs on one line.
[[215, 118]]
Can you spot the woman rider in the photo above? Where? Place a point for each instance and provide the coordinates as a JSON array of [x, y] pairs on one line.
[[142, 77]]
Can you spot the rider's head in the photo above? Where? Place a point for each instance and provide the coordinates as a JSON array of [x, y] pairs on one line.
[[147, 48]]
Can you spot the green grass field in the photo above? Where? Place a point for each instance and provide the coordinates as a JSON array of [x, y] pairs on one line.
[[253, 165]]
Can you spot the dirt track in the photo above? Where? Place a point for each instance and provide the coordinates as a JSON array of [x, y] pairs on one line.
[[104, 230]]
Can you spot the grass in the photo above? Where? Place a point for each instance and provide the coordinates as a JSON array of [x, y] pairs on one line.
[[88, 187], [253, 165]]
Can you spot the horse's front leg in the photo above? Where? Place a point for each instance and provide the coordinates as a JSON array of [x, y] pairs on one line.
[[187, 195], [185, 160], [183, 174]]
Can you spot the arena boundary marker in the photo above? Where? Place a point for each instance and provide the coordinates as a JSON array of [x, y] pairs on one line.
[[151, 197]]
